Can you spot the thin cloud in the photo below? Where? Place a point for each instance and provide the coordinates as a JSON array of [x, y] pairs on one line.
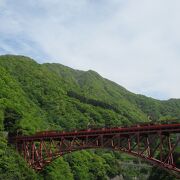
[[134, 43]]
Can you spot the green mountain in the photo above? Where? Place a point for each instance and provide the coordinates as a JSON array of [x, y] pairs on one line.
[[36, 97]]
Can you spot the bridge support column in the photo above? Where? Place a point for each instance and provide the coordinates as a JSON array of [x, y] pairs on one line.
[[32, 152], [170, 161], [138, 143], [129, 144], [161, 146], [148, 147]]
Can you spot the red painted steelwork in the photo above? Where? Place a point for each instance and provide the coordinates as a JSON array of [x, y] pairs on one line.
[[153, 143]]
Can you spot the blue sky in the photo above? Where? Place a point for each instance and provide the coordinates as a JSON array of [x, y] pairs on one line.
[[134, 43]]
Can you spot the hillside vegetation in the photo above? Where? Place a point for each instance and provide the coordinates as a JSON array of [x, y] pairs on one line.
[[36, 97]]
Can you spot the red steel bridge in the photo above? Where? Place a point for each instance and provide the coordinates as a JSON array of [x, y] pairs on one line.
[[155, 143]]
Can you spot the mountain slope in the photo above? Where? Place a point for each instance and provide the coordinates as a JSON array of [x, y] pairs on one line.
[[36, 97], [92, 85]]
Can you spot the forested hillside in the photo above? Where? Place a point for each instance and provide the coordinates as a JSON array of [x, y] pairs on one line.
[[36, 97]]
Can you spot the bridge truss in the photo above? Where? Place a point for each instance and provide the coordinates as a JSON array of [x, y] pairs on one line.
[[157, 144]]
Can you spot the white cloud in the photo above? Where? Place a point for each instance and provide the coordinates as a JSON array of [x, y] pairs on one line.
[[135, 43], [2, 3]]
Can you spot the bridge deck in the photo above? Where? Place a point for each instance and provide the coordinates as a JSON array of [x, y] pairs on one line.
[[147, 129]]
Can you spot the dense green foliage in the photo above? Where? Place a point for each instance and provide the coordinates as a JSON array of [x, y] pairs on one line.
[[59, 169], [52, 96], [12, 166]]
